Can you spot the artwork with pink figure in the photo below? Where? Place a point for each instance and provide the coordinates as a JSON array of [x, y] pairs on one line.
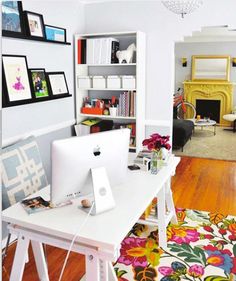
[[18, 85]]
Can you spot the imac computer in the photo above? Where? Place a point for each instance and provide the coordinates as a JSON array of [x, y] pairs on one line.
[[81, 164]]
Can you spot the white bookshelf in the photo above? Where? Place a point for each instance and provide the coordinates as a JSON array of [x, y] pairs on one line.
[[136, 68]]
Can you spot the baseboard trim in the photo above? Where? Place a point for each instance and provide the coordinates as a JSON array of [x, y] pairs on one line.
[[39, 132]]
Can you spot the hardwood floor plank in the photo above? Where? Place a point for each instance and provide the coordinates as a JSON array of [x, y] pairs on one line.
[[200, 184]]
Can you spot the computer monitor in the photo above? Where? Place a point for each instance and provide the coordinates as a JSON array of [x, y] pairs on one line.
[[73, 159]]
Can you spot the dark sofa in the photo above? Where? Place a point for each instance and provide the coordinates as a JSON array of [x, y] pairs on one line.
[[182, 131]]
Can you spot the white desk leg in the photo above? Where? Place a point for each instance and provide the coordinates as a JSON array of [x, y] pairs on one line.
[[92, 268], [40, 260], [107, 272], [19, 259], [161, 218], [170, 202]]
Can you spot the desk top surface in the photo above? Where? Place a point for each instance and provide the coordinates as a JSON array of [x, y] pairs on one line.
[[105, 230]]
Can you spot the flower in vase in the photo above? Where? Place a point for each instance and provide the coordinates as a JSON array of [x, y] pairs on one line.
[[156, 142]]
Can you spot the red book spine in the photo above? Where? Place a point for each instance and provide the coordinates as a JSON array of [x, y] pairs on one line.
[[79, 52]]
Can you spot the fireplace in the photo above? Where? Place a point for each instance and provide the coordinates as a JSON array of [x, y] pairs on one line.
[[208, 108], [211, 91]]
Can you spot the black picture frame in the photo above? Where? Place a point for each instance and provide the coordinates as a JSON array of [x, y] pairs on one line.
[[6, 20], [16, 85], [34, 25], [40, 88], [58, 84], [53, 33]]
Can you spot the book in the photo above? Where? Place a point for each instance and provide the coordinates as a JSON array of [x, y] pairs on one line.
[[81, 51], [35, 205], [38, 204], [84, 128]]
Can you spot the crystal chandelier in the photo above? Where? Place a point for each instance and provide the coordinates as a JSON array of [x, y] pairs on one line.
[[182, 7]]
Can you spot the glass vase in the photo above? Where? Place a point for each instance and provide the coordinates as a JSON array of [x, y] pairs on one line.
[[155, 162]]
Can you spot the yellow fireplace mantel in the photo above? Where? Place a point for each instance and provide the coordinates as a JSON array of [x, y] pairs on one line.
[[211, 90]]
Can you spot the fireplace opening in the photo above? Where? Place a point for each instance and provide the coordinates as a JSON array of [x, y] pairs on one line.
[[209, 109]]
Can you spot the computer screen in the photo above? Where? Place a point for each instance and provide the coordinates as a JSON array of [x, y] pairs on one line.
[[73, 159]]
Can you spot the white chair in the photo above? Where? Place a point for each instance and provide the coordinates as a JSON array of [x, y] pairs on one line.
[[231, 118]]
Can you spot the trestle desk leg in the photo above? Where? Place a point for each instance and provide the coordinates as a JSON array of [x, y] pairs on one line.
[[170, 202], [19, 259], [161, 219], [40, 260], [92, 268]]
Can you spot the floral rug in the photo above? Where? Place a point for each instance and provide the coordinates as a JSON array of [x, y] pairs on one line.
[[202, 247]]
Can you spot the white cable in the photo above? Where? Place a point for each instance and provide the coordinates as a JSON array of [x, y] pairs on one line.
[[73, 240]]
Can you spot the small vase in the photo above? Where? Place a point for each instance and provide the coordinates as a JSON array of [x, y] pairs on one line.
[[155, 162]]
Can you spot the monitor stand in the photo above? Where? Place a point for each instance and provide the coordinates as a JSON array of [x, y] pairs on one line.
[[103, 198]]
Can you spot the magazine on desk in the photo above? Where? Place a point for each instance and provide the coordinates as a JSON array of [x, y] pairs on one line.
[[38, 204]]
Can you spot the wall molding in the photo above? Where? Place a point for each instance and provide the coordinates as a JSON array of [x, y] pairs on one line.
[[160, 123], [62, 125], [39, 132]]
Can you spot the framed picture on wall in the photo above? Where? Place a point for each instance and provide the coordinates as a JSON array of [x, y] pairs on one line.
[[58, 84], [54, 33], [12, 18], [16, 84], [40, 83], [34, 24]]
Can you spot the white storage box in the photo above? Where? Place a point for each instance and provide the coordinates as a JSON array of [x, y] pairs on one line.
[[113, 82], [128, 82], [99, 82], [84, 82]]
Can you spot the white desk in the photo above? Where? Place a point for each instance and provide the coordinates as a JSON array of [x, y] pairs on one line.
[[101, 236]]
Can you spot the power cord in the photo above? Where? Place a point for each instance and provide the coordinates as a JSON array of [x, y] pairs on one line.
[[73, 240]]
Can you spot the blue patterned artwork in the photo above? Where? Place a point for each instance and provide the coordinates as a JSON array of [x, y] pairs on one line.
[[22, 171], [11, 16]]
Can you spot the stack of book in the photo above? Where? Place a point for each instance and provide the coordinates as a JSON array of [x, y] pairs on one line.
[[97, 51], [91, 126], [127, 104]]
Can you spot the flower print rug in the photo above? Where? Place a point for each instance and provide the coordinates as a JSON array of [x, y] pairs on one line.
[[202, 247]]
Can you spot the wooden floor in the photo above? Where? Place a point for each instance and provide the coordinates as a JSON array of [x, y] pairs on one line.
[[200, 184]]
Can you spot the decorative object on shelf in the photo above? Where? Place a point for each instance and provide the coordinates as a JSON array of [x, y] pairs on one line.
[[54, 33], [12, 18], [113, 111], [40, 83], [58, 84], [156, 143], [34, 24], [16, 84], [126, 55], [182, 7], [184, 62], [234, 62]]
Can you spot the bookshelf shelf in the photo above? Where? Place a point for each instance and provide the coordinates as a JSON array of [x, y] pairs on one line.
[[106, 89], [134, 101], [110, 64], [108, 116]]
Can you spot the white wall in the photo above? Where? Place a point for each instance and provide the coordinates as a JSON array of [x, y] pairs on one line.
[[22, 119], [206, 48], [162, 28]]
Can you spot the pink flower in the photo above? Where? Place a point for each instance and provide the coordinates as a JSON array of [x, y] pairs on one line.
[[133, 252], [157, 141], [196, 271], [165, 270], [182, 234]]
